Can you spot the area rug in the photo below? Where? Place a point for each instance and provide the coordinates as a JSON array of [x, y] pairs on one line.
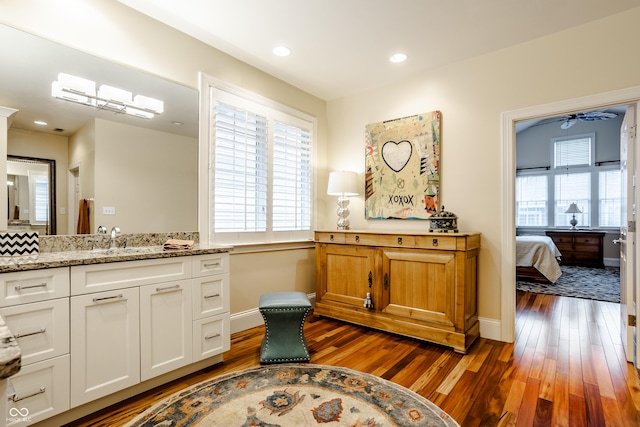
[[602, 284], [295, 395]]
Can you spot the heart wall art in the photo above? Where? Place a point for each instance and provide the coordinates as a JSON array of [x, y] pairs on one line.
[[402, 167]]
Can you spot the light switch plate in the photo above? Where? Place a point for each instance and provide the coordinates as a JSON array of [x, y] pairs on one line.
[[108, 210]]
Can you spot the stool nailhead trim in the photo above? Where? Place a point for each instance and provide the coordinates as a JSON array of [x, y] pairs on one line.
[[300, 332]]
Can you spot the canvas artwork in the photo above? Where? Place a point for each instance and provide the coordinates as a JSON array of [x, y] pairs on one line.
[[402, 167]]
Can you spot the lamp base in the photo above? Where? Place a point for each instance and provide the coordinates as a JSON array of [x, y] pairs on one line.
[[343, 213], [573, 223]]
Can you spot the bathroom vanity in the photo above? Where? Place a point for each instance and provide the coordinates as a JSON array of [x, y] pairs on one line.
[[96, 327]]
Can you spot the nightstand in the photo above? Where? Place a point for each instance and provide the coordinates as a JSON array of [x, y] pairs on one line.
[[583, 248]]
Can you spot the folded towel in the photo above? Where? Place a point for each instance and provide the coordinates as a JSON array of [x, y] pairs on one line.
[[178, 244]]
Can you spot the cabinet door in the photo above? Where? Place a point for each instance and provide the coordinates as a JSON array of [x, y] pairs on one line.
[[419, 285], [346, 273], [165, 327], [105, 343]]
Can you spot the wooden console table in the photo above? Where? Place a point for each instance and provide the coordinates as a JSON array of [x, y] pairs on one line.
[[422, 285], [583, 248]]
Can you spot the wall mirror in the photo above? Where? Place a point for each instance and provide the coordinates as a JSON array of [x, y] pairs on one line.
[[31, 184], [31, 65]]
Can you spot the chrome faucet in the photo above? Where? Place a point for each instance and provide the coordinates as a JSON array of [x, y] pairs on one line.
[[115, 232], [102, 230]]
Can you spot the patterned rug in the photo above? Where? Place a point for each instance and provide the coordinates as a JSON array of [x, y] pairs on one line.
[[295, 395], [580, 282]]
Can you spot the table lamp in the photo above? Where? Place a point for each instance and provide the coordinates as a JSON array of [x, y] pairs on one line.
[[343, 184], [573, 209]]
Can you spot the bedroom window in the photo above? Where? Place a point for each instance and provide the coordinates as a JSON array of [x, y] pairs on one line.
[[531, 201], [544, 194], [610, 198], [260, 170]]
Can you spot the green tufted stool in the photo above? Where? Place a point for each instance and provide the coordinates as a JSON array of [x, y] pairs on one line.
[[284, 314]]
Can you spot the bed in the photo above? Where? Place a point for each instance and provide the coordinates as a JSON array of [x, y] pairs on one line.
[[537, 259]]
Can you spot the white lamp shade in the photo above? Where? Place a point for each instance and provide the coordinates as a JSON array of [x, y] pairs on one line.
[[573, 209], [343, 183]]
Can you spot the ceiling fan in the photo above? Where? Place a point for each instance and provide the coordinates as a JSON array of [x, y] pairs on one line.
[[589, 116]]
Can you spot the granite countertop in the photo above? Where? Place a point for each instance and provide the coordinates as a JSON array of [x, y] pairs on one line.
[[100, 256], [10, 353]]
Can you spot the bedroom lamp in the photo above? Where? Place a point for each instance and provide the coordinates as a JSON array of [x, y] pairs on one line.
[[573, 209], [343, 184]]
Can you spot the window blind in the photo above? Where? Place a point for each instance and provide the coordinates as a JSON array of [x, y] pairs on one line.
[[610, 198], [531, 201], [572, 152]]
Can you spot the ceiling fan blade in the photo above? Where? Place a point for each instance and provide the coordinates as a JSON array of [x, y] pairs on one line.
[[591, 116], [567, 124]]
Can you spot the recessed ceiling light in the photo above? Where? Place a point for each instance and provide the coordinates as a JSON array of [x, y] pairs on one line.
[[176, 123], [398, 57], [40, 122], [281, 51]]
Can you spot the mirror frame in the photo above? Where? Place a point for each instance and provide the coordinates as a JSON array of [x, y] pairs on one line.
[[52, 187]]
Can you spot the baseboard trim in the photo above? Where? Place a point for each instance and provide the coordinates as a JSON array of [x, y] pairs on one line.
[[612, 262], [490, 328], [251, 318]]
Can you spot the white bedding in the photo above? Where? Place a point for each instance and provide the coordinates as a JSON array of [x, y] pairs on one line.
[[539, 252]]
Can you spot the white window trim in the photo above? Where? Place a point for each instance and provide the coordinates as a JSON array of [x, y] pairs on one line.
[[207, 85]]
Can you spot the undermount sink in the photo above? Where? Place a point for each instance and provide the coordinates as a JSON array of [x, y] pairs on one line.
[[128, 250]]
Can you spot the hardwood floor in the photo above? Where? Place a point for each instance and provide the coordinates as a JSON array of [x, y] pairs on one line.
[[566, 368]]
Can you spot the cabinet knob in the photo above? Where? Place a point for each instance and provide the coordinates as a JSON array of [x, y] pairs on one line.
[[357, 238], [399, 240], [331, 237], [435, 242]]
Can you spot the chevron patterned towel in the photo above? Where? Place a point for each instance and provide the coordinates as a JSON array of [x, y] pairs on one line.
[[19, 243]]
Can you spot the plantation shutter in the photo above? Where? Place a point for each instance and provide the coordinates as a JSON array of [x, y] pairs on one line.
[[240, 170]]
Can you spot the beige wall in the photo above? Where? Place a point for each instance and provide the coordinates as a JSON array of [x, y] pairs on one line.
[[110, 30], [149, 177], [82, 156], [587, 60], [45, 146], [472, 95]]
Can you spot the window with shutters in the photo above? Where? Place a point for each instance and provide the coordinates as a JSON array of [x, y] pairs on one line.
[[260, 171]]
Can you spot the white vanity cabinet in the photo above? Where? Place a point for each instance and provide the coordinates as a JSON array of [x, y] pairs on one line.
[[105, 343], [165, 327], [35, 306]]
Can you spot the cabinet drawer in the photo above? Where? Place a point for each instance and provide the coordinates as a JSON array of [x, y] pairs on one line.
[[118, 275], [38, 391], [330, 237], [211, 336], [206, 265], [210, 295], [437, 241], [398, 240], [33, 285], [41, 328]]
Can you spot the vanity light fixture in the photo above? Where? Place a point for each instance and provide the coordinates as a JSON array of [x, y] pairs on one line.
[[83, 91], [40, 122], [398, 57]]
